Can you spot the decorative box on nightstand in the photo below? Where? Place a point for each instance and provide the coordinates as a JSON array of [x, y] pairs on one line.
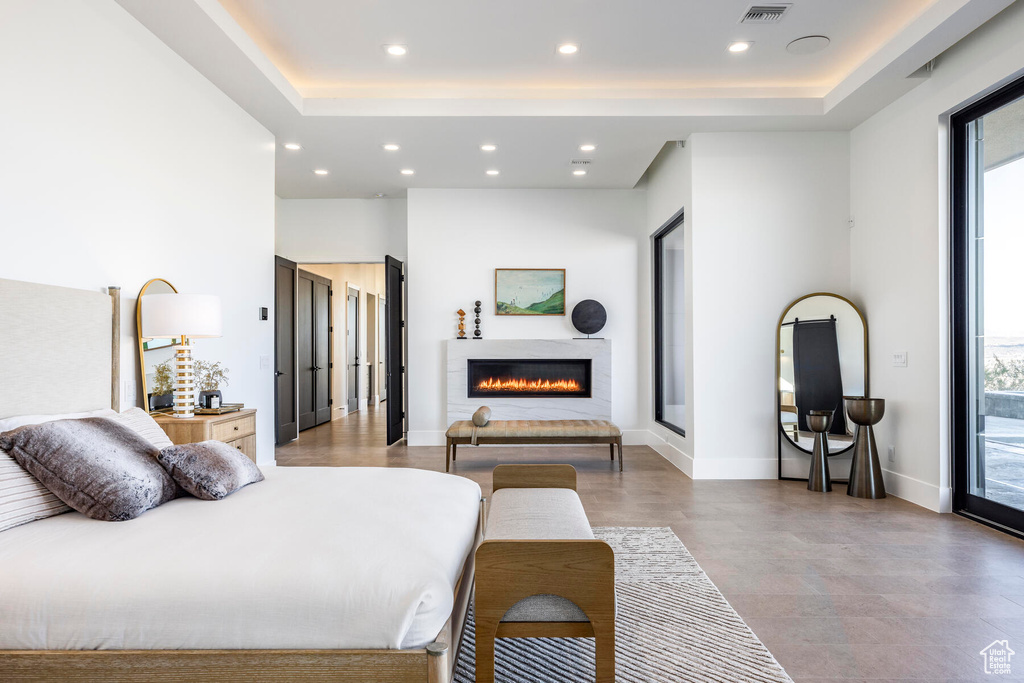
[[236, 429]]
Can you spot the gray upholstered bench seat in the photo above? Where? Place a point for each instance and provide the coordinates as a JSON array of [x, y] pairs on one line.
[[539, 514], [511, 432], [540, 573]]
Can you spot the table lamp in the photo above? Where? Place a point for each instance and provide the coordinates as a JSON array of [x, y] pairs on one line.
[[184, 317]]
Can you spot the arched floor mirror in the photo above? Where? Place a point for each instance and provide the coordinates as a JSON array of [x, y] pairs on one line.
[[821, 356]]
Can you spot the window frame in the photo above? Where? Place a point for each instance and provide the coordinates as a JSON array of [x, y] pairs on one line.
[[676, 221], [961, 179]]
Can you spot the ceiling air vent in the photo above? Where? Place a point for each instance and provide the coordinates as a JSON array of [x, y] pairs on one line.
[[765, 14], [580, 162]]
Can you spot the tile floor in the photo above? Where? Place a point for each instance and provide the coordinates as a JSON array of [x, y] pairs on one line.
[[834, 586]]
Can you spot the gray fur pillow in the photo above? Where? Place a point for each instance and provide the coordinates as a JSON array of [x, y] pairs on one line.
[[210, 470], [100, 468]]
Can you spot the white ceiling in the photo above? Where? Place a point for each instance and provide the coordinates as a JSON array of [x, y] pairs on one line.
[[471, 48], [648, 71]]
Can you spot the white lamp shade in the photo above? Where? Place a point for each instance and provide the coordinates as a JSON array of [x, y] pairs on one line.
[[174, 315]]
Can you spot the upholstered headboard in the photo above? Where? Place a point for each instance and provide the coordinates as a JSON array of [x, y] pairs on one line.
[[59, 349]]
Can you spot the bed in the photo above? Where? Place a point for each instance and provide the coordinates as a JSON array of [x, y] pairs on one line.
[[349, 574]]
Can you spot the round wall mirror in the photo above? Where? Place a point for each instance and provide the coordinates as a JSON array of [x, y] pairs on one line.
[[153, 353], [821, 356]]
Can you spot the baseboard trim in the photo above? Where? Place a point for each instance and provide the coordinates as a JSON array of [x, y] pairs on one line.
[[930, 496], [671, 452], [424, 438], [735, 468]]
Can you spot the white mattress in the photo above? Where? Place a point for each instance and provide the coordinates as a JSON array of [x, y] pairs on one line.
[[316, 558]]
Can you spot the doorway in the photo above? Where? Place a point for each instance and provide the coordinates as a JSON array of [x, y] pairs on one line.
[[987, 164], [350, 369]]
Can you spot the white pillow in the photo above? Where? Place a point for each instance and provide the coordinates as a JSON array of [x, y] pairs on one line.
[[139, 421], [22, 497], [9, 423]]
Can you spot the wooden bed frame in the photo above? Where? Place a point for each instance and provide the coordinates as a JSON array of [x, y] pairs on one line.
[[21, 314]]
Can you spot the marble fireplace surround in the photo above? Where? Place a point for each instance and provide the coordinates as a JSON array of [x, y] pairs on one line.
[[597, 407]]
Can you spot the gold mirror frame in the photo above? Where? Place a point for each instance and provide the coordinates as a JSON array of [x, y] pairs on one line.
[[778, 371], [138, 331]]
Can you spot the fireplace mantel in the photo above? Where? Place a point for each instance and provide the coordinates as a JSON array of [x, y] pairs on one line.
[[597, 407]]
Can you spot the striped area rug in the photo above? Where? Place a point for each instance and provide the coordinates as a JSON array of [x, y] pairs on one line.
[[673, 625]]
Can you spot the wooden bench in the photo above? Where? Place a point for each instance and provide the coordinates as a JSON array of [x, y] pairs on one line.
[[540, 573], [513, 432]]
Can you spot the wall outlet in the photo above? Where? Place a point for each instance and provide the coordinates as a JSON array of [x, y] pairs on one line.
[[264, 362], [899, 359], [892, 453]]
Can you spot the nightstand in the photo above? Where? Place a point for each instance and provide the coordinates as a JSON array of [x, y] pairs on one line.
[[237, 429]]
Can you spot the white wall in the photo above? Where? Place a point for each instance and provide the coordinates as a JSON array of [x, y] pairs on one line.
[[766, 222], [899, 195], [669, 187], [119, 164], [456, 240], [341, 230]]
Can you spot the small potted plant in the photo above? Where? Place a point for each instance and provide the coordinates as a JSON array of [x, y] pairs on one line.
[[209, 379], [160, 396]]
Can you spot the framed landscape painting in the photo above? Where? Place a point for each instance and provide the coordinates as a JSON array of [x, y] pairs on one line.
[[526, 291]]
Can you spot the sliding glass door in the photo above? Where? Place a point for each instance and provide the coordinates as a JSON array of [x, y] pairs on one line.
[[988, 308]]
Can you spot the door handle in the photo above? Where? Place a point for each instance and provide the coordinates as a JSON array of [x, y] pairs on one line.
[[279, 373]]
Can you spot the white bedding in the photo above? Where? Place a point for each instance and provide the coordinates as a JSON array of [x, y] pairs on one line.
[[316, 558]]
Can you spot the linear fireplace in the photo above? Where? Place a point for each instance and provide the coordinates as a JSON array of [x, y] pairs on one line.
[[546, 377]]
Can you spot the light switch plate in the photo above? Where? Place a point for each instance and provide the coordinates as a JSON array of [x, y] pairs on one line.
[[899, 359], [264, 362]]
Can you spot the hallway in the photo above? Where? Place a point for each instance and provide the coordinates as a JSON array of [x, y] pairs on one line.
[[349, 440]]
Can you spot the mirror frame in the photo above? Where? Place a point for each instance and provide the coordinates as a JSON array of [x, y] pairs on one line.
[[138, 336], [778, 372]]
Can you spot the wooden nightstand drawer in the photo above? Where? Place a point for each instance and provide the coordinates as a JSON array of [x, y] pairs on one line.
[[236, 429], [229, 430], [247, 444]]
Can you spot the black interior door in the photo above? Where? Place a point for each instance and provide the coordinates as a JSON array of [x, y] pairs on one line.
[[285, 408], [304, 351], [322, 349], [394, 343], [352, 348]]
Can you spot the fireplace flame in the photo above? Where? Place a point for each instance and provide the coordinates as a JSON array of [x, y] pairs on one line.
[[537, 385]]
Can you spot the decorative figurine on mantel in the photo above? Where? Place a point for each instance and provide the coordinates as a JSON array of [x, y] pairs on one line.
[[477, 310], [462, 324]]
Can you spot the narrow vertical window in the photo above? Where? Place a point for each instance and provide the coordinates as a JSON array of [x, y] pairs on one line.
[[987, 144], [670, 326]]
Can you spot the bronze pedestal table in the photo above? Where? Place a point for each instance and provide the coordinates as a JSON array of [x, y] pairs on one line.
[[818, 479], [866, 471]]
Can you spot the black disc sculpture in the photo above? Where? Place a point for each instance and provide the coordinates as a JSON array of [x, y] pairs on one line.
[[589, 317]]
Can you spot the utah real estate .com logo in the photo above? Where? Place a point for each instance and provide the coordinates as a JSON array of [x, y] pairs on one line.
[[997, 657]]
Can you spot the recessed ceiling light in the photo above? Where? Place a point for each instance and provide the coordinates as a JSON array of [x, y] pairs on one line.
[[379, 195], [492, 171], [741, 46], [407, 171], [488, 148], [568, 49], [391, 147], [321, 171], [292, 146], [587, 148], [579, 172], [396, 50]]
